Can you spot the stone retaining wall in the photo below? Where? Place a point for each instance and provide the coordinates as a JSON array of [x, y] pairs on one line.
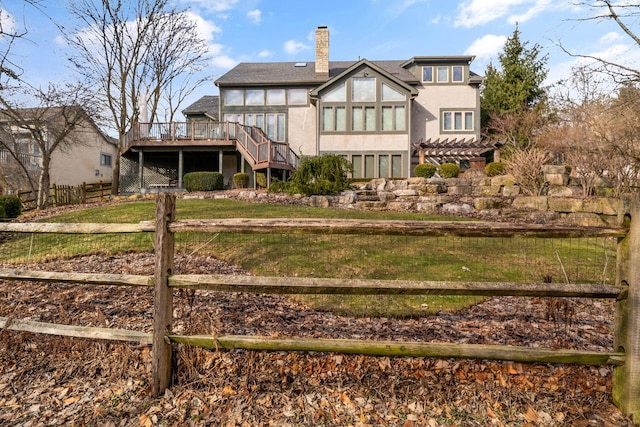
[[489, 198]]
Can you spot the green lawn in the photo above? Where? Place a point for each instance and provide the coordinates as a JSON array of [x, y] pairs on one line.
[[339, 256]]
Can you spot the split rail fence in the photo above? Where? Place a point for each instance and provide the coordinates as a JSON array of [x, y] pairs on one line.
[[63, 195], [625, 358]]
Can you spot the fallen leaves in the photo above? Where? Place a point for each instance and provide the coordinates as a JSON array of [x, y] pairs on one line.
[[61, 381]]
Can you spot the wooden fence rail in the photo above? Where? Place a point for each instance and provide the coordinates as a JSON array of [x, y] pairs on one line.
[[62, 195], [626, 291]]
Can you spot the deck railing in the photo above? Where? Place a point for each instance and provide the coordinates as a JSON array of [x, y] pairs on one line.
[[252, 140]]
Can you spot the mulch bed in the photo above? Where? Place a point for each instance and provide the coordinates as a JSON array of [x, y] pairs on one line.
[[46, 380]]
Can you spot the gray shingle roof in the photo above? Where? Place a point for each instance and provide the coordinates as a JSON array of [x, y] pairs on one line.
[[206, 105], [287, 73]]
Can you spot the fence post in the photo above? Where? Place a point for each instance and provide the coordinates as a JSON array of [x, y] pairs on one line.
[[162, 295], [626, 378]]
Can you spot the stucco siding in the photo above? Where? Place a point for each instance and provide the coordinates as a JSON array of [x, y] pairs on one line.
[[431, 100], [302, 130], [373, 142]]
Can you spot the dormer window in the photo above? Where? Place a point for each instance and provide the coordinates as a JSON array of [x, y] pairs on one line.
[[427, 74], [443, 74], [457, 73]]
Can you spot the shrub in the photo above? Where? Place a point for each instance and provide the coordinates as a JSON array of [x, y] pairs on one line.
[[12, 206], [261, 180], [3, 214], [425, 170], [203, 181], [278, 186], [494, 169], [448, 170], [321, 175], [240, 180]]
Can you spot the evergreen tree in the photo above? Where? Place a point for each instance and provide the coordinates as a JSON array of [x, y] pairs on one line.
[[516, 86]]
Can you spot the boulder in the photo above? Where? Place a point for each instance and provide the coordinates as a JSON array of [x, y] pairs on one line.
[[510, 190], [583, 219], [485, 203], [457, 209], [565, 204], [533, 203], [319, 201]]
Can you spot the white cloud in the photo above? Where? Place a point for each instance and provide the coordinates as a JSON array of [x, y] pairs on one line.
[[265, 54], [611, 37], [471, 13], [60, 41], [206, 29], [7, 22], [224, 62], [486, 47], [292, 47], [214, 5], [255, 16]]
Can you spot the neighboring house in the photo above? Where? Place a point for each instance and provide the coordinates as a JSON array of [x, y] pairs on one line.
[[86, 156], [384, 117]]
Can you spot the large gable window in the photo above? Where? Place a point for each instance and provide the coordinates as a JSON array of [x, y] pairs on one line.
[[233, 97], [254, 97], [276, 97], [297, 96], [337, 94], [334, 119], [390, 94], [363, 118], [363, 89]]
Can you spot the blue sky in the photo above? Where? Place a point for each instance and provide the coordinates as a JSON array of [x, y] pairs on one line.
[[283, 30]]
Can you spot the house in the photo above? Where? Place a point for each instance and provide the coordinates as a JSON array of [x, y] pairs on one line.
[[384, 117], [85, 154]]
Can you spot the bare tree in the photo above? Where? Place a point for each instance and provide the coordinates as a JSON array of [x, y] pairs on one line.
[[43, 130], [597, 132], [624, 15], [134, 49]]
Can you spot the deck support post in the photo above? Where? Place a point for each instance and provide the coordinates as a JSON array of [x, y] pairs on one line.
[[162, 295], [141, 170], [180, 167], [626, 378]]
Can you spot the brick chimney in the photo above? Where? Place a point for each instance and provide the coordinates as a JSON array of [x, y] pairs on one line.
[[322, 51]]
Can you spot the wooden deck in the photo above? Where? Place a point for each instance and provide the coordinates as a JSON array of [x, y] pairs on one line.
[[250, 141]]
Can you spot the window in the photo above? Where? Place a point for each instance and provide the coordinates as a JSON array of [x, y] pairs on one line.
[[369, 162], [363, 89], [457, 73], [334, 119], [337, 94], [363, 118], [457, 120], [381, 165], [390, 94], [276, 97], [393, 118], [427, 74], [105, 159], [256, 120], [275, 127], [356, 162], [233, 97], [254, 97], [297, 96], [443, 74]]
